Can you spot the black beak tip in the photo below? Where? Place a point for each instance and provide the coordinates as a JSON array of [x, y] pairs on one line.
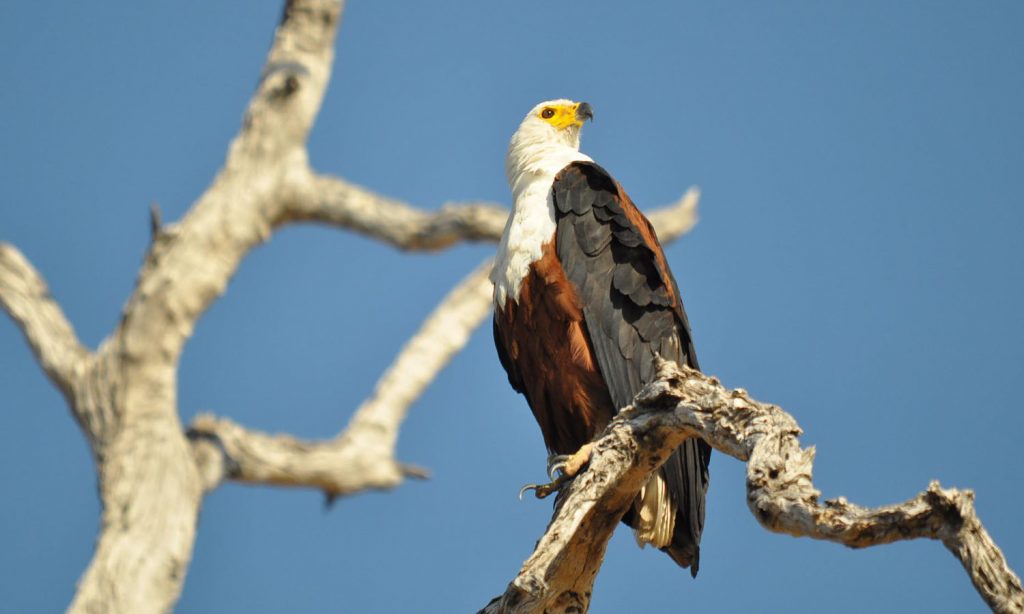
[[585, 112]]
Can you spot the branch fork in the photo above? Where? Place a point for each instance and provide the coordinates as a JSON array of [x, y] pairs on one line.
[[153, 473], [683, 403]]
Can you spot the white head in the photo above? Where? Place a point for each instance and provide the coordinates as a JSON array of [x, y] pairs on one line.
[[545, 143], [550, 132]]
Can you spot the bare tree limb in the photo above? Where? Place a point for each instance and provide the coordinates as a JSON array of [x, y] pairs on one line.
[[229, 451], [25, 297], [363, 455], [443, 334], [674, 220], [332, 200], [236, 213], [683, 403], [150, 486], [151, 477], [339, 467]]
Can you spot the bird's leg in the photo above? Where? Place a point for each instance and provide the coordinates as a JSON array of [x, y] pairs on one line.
[[567, 466], [570, 464]]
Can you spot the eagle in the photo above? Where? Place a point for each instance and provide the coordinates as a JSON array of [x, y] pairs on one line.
[[584, 304]]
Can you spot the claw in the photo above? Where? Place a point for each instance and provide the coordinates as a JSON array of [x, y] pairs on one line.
[[554, 470], [556, 464], [542, 491], [561, 469], [523, 490]]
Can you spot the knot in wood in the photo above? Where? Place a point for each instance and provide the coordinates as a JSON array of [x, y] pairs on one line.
[[284, 79]]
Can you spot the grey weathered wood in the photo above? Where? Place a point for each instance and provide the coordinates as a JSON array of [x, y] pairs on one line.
[[25, 296], [153, 473], [362, 456], [683, 403]]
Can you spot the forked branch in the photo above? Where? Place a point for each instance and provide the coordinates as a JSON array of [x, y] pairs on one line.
[[363, 456], [683, 403]]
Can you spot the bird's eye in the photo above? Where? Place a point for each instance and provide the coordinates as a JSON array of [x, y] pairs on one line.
[[547, 113]]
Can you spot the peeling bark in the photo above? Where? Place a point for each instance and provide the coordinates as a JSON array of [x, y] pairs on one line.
[[153, 473], [684, 403]]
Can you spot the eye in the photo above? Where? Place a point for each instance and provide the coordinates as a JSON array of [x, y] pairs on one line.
[[547, 113]]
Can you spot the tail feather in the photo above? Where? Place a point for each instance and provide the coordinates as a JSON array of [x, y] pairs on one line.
[[668, 512], [654, 514]]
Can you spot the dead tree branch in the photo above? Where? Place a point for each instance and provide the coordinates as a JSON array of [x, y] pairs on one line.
[[362, 456], [339, 467], [152, 477], [334, 201], [25, 297], [683, 403], [152, 474], [150, 484]]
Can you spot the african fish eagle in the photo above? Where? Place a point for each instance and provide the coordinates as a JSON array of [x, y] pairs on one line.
[[584, 300]]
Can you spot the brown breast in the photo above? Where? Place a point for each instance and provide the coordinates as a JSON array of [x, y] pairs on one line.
[[545, 342]]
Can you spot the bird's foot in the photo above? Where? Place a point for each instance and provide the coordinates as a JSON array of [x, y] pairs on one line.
[[570, 464], [565, 467], [542, 491]]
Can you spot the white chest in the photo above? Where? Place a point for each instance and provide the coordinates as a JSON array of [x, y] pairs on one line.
[[531, 225], [531, 171]]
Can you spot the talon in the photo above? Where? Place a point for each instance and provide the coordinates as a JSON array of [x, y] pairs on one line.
[[571, 464], [555, 469], [526, 488], [556, 464], [543, 491], [561, 469]]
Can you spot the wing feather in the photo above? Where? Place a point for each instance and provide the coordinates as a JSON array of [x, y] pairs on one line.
[[632, 310]]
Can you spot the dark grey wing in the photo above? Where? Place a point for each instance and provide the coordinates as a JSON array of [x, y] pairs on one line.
[[633, 311]]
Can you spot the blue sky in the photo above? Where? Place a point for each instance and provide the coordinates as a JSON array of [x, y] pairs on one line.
[[858, 261]]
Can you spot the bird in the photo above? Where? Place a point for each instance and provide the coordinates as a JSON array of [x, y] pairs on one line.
[[585, 304]]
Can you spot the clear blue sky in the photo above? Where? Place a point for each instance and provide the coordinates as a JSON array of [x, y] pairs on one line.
[[858, 261]]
